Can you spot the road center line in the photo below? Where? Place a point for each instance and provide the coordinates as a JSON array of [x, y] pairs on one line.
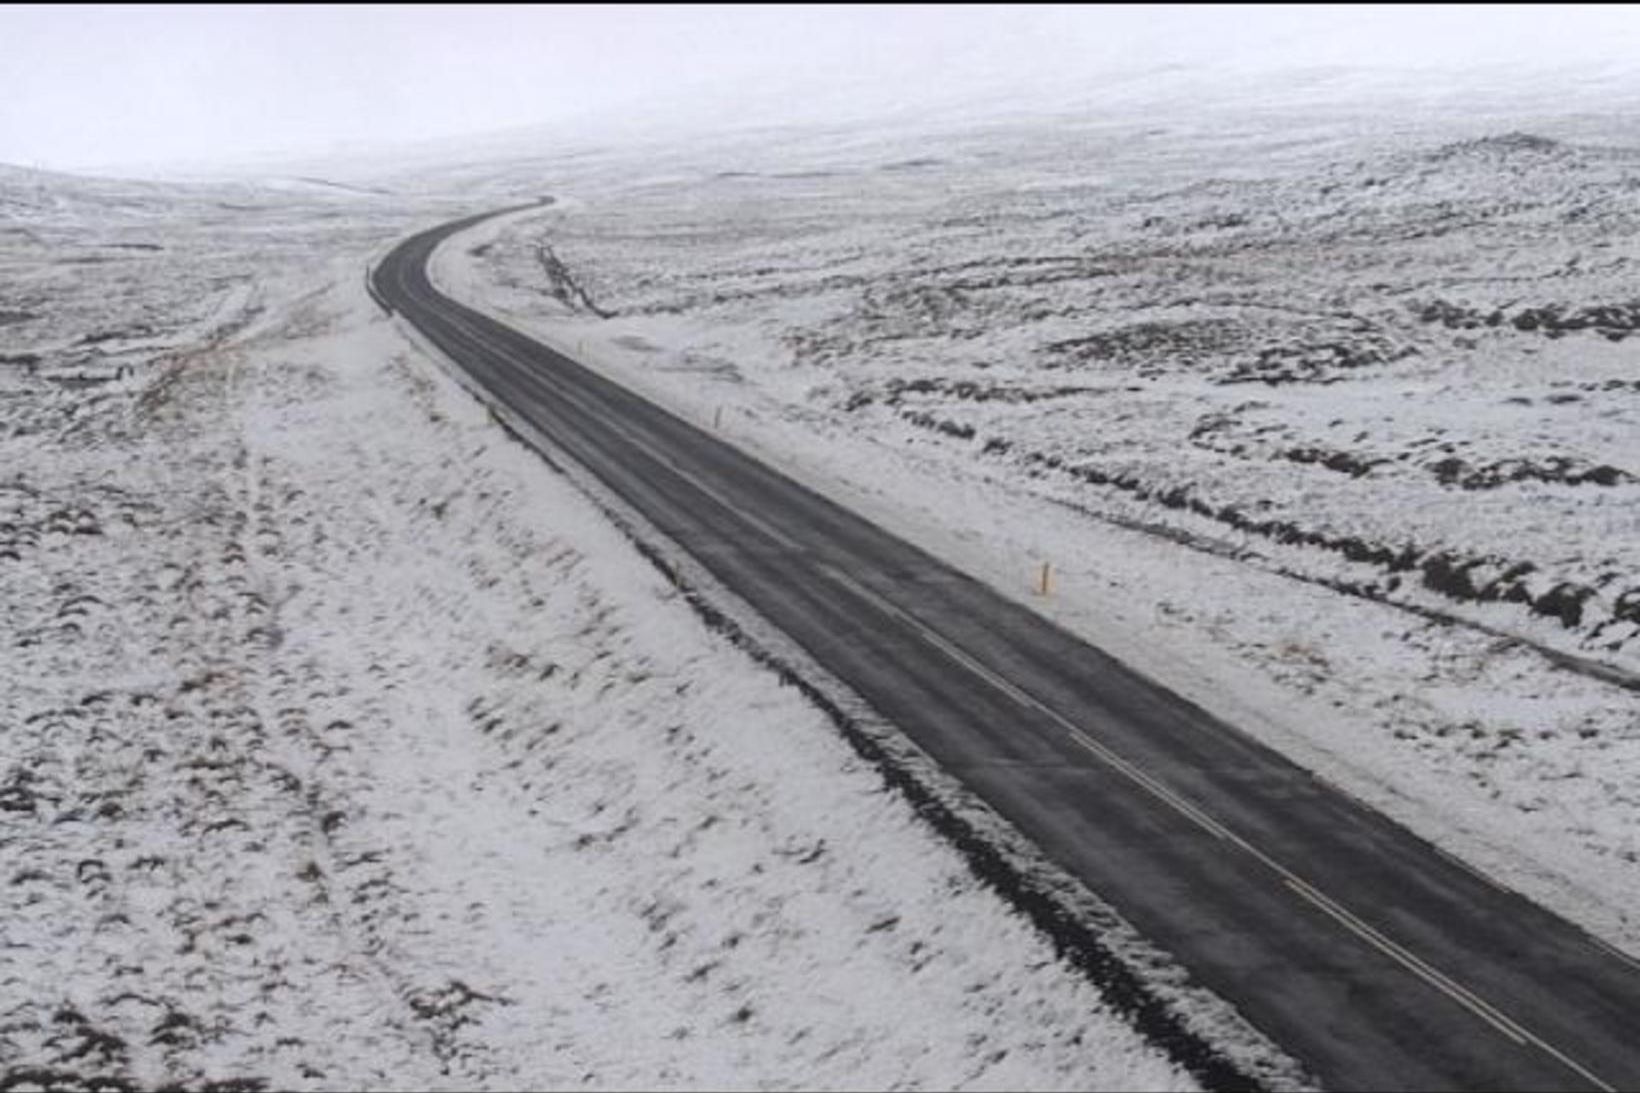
[[643, 445], [1442, 982], [1493, 1017]]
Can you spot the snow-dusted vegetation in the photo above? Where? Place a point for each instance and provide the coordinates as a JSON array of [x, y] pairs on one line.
[[345, 744], [1331, 421]]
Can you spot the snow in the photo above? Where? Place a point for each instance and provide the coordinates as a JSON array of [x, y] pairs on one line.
[[348, 745], [1328, 421]]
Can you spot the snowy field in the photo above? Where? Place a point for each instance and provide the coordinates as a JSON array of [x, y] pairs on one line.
[[345, 744], [1330, 420]]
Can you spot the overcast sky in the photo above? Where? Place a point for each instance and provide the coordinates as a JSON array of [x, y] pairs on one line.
[[98, 87]]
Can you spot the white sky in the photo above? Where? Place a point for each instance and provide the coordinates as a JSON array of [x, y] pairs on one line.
[[101, 86]]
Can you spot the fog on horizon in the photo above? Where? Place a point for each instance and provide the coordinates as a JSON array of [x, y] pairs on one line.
[[96, 87]]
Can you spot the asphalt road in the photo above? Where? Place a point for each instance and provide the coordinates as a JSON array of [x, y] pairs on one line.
[[1376, 960]]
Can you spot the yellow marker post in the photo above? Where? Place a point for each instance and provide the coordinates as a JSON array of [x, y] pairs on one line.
[[1042, 584]]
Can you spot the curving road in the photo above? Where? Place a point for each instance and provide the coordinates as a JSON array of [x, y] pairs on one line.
[[1376, 960]]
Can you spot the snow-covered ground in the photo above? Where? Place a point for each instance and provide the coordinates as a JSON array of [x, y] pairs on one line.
[[1330, 420], [344, 744]]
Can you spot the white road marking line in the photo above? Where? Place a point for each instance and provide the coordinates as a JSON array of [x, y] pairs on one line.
[[643, 445], [1312, 895], [756, 521], [1378, 941], [1621, 956]]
